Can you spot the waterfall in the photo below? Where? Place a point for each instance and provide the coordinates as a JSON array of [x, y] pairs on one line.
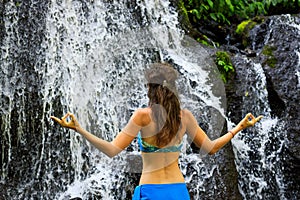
[[260, 151], [297, 73], [264, 154], [88, 58], [256, 155]]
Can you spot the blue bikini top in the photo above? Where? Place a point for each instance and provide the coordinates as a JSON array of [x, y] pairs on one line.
[[149, 148]]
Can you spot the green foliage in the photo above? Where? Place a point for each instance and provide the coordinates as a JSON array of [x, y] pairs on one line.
[[224, 65], [207, 42], [241, 27], [224, 11], [281, 3]]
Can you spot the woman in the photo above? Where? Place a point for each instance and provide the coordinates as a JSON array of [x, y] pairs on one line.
[[159, 128]]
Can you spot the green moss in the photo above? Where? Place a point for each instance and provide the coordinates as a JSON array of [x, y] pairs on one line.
[[204, 42], [271, 60], [243, 29], [224, 65], [268, 50]]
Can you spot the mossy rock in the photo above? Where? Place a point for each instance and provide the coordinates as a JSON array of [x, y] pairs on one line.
[[207, 41], [246, 26], [268, 50], [271, 60], [243, 30]]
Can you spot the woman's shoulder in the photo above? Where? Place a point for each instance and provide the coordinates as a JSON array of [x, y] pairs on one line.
[[142, 111], [142, 116], [189, 120], [187, 116], [186, 113]]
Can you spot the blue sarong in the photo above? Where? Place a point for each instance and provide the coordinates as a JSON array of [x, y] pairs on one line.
[[170, 191]]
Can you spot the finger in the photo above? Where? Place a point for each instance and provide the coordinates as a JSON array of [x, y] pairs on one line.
[[64, 117], [251, 116], [258, 118], [250, 119], [56, 119], [71, 115], [73, 118], [248, 116]]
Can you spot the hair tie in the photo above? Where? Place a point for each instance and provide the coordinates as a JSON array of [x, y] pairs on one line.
[[165, 84]]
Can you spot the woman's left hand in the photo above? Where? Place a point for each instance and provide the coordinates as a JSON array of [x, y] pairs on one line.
[[72, 124]]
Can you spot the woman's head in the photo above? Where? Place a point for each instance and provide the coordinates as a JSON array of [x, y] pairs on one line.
[[161, 81], [162, 74]]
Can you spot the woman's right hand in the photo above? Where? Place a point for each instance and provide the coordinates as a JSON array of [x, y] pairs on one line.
[[72, 124], [249, 120]]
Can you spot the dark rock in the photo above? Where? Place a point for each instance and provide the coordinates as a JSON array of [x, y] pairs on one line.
[[282, 79], [277, 43]]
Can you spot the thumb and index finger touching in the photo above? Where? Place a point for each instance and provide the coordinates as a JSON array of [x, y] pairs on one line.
[[252, 120], [63, 121]]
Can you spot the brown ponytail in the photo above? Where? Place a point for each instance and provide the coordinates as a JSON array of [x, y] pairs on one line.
[[161, 79]]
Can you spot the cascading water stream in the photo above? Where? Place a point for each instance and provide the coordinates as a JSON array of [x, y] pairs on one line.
[[88, 57], [94, 54], [261, 156], [106, 79], [256, 163]]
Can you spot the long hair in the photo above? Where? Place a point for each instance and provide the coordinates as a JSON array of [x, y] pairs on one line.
[[164, 102]]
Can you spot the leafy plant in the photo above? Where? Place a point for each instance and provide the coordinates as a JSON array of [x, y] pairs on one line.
[[226, 11], [224, 65], [207, 42]]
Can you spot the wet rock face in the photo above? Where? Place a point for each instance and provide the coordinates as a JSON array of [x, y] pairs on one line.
[[282, 76], [23, 124], [283, 81], [283, 45], [277, 45]]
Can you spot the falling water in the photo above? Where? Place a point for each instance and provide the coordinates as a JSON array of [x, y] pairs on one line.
[[106, 55], [259, 151], [90, 61], [88, 57]]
